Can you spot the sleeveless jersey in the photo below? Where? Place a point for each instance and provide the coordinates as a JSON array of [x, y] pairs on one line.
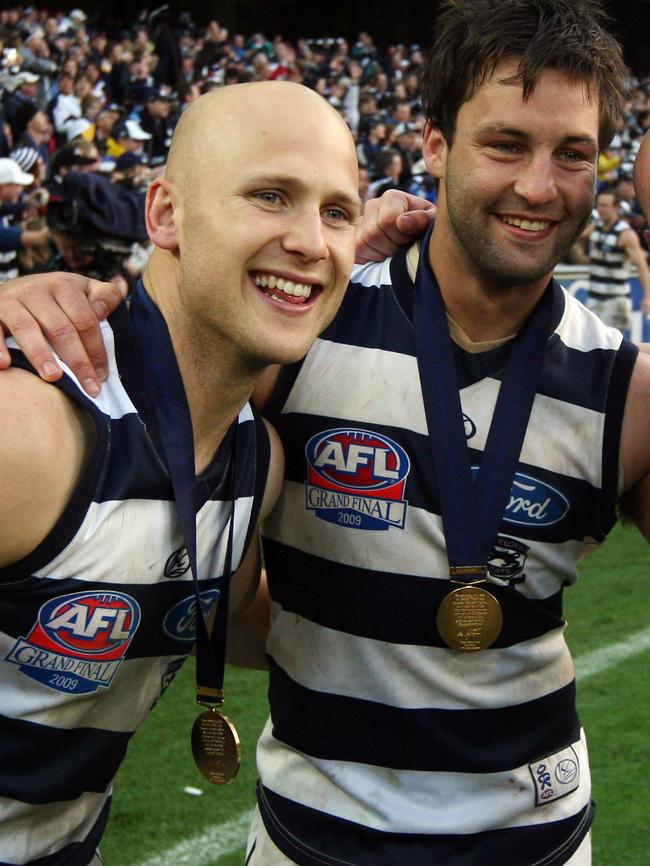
[[95, 622], [608, 261], [384, 746]]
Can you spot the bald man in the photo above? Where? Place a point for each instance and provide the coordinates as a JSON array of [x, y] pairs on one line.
[[254, 244]]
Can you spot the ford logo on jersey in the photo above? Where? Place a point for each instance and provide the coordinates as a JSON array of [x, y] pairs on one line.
[[79, 641], [533, 502], [357, 478], [180, 622]]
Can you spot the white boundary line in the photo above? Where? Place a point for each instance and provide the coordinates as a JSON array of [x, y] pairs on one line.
[[206, 847], [230, 836]]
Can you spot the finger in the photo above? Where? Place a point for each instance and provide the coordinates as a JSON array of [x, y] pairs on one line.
[[5, 357], [103, 297], [75, 310], [414, 223], [40, 323], [28, 334]]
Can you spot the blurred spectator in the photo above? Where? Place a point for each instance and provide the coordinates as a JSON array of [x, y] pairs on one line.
[[13, 237], [156, 120]]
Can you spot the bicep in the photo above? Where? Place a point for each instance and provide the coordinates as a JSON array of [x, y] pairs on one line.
[[43, 448], [635, 506]]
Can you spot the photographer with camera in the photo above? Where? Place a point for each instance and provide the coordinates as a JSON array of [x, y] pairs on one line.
[[95, 224]]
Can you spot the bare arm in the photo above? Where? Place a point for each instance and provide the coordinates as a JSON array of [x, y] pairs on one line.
[[635, 447], [632, 245], [58, 312], [250, 604], [44, 445]]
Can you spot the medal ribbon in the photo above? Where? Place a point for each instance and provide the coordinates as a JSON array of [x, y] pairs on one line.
[[174, 427], [472, 509]]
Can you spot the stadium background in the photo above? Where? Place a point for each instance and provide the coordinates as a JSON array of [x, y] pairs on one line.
[[165, 814], [403, 21]]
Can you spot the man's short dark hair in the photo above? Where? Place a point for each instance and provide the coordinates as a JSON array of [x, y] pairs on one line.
[[472, 37]]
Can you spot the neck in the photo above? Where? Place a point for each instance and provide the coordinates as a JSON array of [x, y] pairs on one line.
[[217, 381], [483, 309]]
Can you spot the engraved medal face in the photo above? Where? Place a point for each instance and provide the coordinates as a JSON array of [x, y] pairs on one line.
[[216, 747], [469, 619]]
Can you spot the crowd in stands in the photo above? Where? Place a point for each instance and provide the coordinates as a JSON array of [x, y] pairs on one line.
[[79, 97]]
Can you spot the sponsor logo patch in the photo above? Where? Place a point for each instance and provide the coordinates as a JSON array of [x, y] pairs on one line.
[[178, 563], [357, 478], [78, 642], [555, 776], [533, 502], [180, 621]]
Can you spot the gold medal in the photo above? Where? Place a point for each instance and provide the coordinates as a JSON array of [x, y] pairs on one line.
[[216, 747], [469, 619]]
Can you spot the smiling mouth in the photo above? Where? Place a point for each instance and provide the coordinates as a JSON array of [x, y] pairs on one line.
[[281, 289], [527, 225]]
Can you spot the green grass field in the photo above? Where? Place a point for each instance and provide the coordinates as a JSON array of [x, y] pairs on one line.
[[152, 814]]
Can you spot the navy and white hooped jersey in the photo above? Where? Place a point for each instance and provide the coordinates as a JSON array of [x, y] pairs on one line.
[[384, 746], [609, 274], [95, 623]]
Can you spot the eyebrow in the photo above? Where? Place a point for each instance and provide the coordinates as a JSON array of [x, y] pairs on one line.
[[287, 180], [491, 128]]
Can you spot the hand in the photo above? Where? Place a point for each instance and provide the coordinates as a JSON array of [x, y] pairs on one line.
[[645, 306], [58, 312], [389, 222]]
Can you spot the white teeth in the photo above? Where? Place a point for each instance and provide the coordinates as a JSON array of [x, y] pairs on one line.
[[298, 290], [527, 225]]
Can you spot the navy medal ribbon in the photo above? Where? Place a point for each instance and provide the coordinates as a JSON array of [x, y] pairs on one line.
[[214, 740], [472, 508]]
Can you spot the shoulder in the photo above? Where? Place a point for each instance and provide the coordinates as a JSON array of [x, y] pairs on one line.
[[45, 443], [635, 443], [276, 472]]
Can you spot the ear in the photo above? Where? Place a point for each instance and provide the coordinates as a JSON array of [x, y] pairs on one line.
[[159, 214], [434, 151]]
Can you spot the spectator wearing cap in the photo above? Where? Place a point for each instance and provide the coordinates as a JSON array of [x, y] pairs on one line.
[[70, 158], [156, 119], [12, 237], [30, 161], [21, 90], [106, 119], [35, 54], [131, 172], [78, 129], [126, 135]]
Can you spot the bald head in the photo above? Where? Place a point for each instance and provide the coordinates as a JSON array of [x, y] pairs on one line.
[[224, 125], [642, 176]]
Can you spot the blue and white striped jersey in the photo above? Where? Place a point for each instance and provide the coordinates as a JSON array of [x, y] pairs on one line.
[[384, 746], [97, 620]]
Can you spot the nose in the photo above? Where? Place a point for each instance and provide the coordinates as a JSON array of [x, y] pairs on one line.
[[536, 181], [305, 235]]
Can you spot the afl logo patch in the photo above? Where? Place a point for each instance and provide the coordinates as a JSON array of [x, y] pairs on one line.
[[357, 478], [79, 641]]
